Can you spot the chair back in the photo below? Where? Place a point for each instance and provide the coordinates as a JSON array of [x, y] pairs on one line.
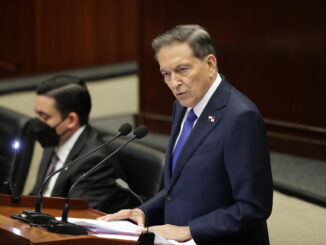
[[143, 166], [14, 125]]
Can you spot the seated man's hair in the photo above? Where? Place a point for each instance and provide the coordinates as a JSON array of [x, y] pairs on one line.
[[70, 94]]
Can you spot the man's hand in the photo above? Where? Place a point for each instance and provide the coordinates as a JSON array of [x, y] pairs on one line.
[[135, 215], [172, 232]]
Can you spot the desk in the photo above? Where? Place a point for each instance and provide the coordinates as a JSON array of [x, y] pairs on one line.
[[16, 232]]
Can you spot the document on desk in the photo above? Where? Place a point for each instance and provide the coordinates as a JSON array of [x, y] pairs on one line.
[[119, 229]]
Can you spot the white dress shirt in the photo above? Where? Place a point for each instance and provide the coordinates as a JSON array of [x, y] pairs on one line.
[[62, 153], [198, 109]]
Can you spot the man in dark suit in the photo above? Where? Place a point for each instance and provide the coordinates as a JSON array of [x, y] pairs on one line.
[[218, 182], [62, 107]]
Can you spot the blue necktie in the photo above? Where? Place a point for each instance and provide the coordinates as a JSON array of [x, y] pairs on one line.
[[187, 127]]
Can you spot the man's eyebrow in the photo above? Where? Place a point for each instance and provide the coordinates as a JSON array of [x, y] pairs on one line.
[[177, 67], [42, 113], [182, 65]]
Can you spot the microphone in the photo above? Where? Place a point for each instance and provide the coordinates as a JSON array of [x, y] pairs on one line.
[[65, 227], [146, 237], [36, 217], [11, 186]]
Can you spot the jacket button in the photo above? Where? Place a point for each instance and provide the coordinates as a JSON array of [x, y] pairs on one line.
[[169, 197]]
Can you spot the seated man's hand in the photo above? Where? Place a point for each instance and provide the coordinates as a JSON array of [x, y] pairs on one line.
[[135, 215]]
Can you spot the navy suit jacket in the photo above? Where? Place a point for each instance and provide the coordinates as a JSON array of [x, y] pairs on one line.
[[99, 188], [222, 184]]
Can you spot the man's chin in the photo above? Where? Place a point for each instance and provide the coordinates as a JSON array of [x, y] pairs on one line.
[[185, 103]]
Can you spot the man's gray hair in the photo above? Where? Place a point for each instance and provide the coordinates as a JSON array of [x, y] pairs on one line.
[[196, 36]]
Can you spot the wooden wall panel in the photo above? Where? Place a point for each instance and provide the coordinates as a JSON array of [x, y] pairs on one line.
[[16, 38], [8, 16], [272, 51], [85, 33], [59, 35]]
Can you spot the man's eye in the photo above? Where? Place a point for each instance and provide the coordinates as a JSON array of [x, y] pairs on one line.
[[45, 117], [183, 70], [165, 74]]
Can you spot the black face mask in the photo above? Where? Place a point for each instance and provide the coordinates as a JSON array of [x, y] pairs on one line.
[[46, 135]]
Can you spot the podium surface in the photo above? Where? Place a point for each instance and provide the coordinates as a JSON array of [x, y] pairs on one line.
[[16, 232]]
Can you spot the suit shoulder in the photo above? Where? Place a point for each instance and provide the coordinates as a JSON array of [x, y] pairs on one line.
[[93, 137], [240, 102], [89, 140]]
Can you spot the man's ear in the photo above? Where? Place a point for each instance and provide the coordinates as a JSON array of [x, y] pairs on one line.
[[211, 64], [73, 120]]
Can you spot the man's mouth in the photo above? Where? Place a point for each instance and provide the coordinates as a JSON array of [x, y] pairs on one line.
[[180, 94]]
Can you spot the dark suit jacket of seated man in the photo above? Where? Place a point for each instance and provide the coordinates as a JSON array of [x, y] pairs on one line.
[[218, 187], [62, 107]]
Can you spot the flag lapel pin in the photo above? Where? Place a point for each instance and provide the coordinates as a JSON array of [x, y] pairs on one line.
[[211, 118]]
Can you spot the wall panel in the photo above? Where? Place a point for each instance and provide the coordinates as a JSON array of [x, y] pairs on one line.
[[39, 36]]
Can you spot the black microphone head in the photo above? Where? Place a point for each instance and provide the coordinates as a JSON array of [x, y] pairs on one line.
[[122, 184], [125, 129], [140, 132]]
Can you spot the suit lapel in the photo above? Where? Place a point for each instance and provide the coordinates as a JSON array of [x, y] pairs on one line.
[[44, 165], [46, 161], [201, 130], [74, 153], [179, 113]]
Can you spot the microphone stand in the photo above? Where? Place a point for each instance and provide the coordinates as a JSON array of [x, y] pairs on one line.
[[36, 217], [63, 226], [146, 237]]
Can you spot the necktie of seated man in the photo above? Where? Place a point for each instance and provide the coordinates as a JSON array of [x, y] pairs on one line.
[[51, 169], [187, 127]]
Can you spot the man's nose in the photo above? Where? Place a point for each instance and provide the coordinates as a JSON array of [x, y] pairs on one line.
[[175, 80]]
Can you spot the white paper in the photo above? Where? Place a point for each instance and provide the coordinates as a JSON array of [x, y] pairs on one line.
[[119, 229], [157, 240], [121, 237]]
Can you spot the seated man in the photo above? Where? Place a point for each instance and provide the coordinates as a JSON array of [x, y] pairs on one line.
[[61, 126]]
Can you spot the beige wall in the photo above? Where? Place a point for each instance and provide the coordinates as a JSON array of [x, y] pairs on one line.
[[109, 97], [116, 96]]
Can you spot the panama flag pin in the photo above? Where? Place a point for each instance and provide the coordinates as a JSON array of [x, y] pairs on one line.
[[211, 118]]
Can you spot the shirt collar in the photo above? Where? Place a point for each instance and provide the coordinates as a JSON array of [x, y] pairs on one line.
[[64, 150], [198, 109]]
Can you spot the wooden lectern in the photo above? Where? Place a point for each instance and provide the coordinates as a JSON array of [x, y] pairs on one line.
[[16, 232]]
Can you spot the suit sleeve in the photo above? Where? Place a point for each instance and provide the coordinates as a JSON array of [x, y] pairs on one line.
[[246, 159], [154, 209]]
